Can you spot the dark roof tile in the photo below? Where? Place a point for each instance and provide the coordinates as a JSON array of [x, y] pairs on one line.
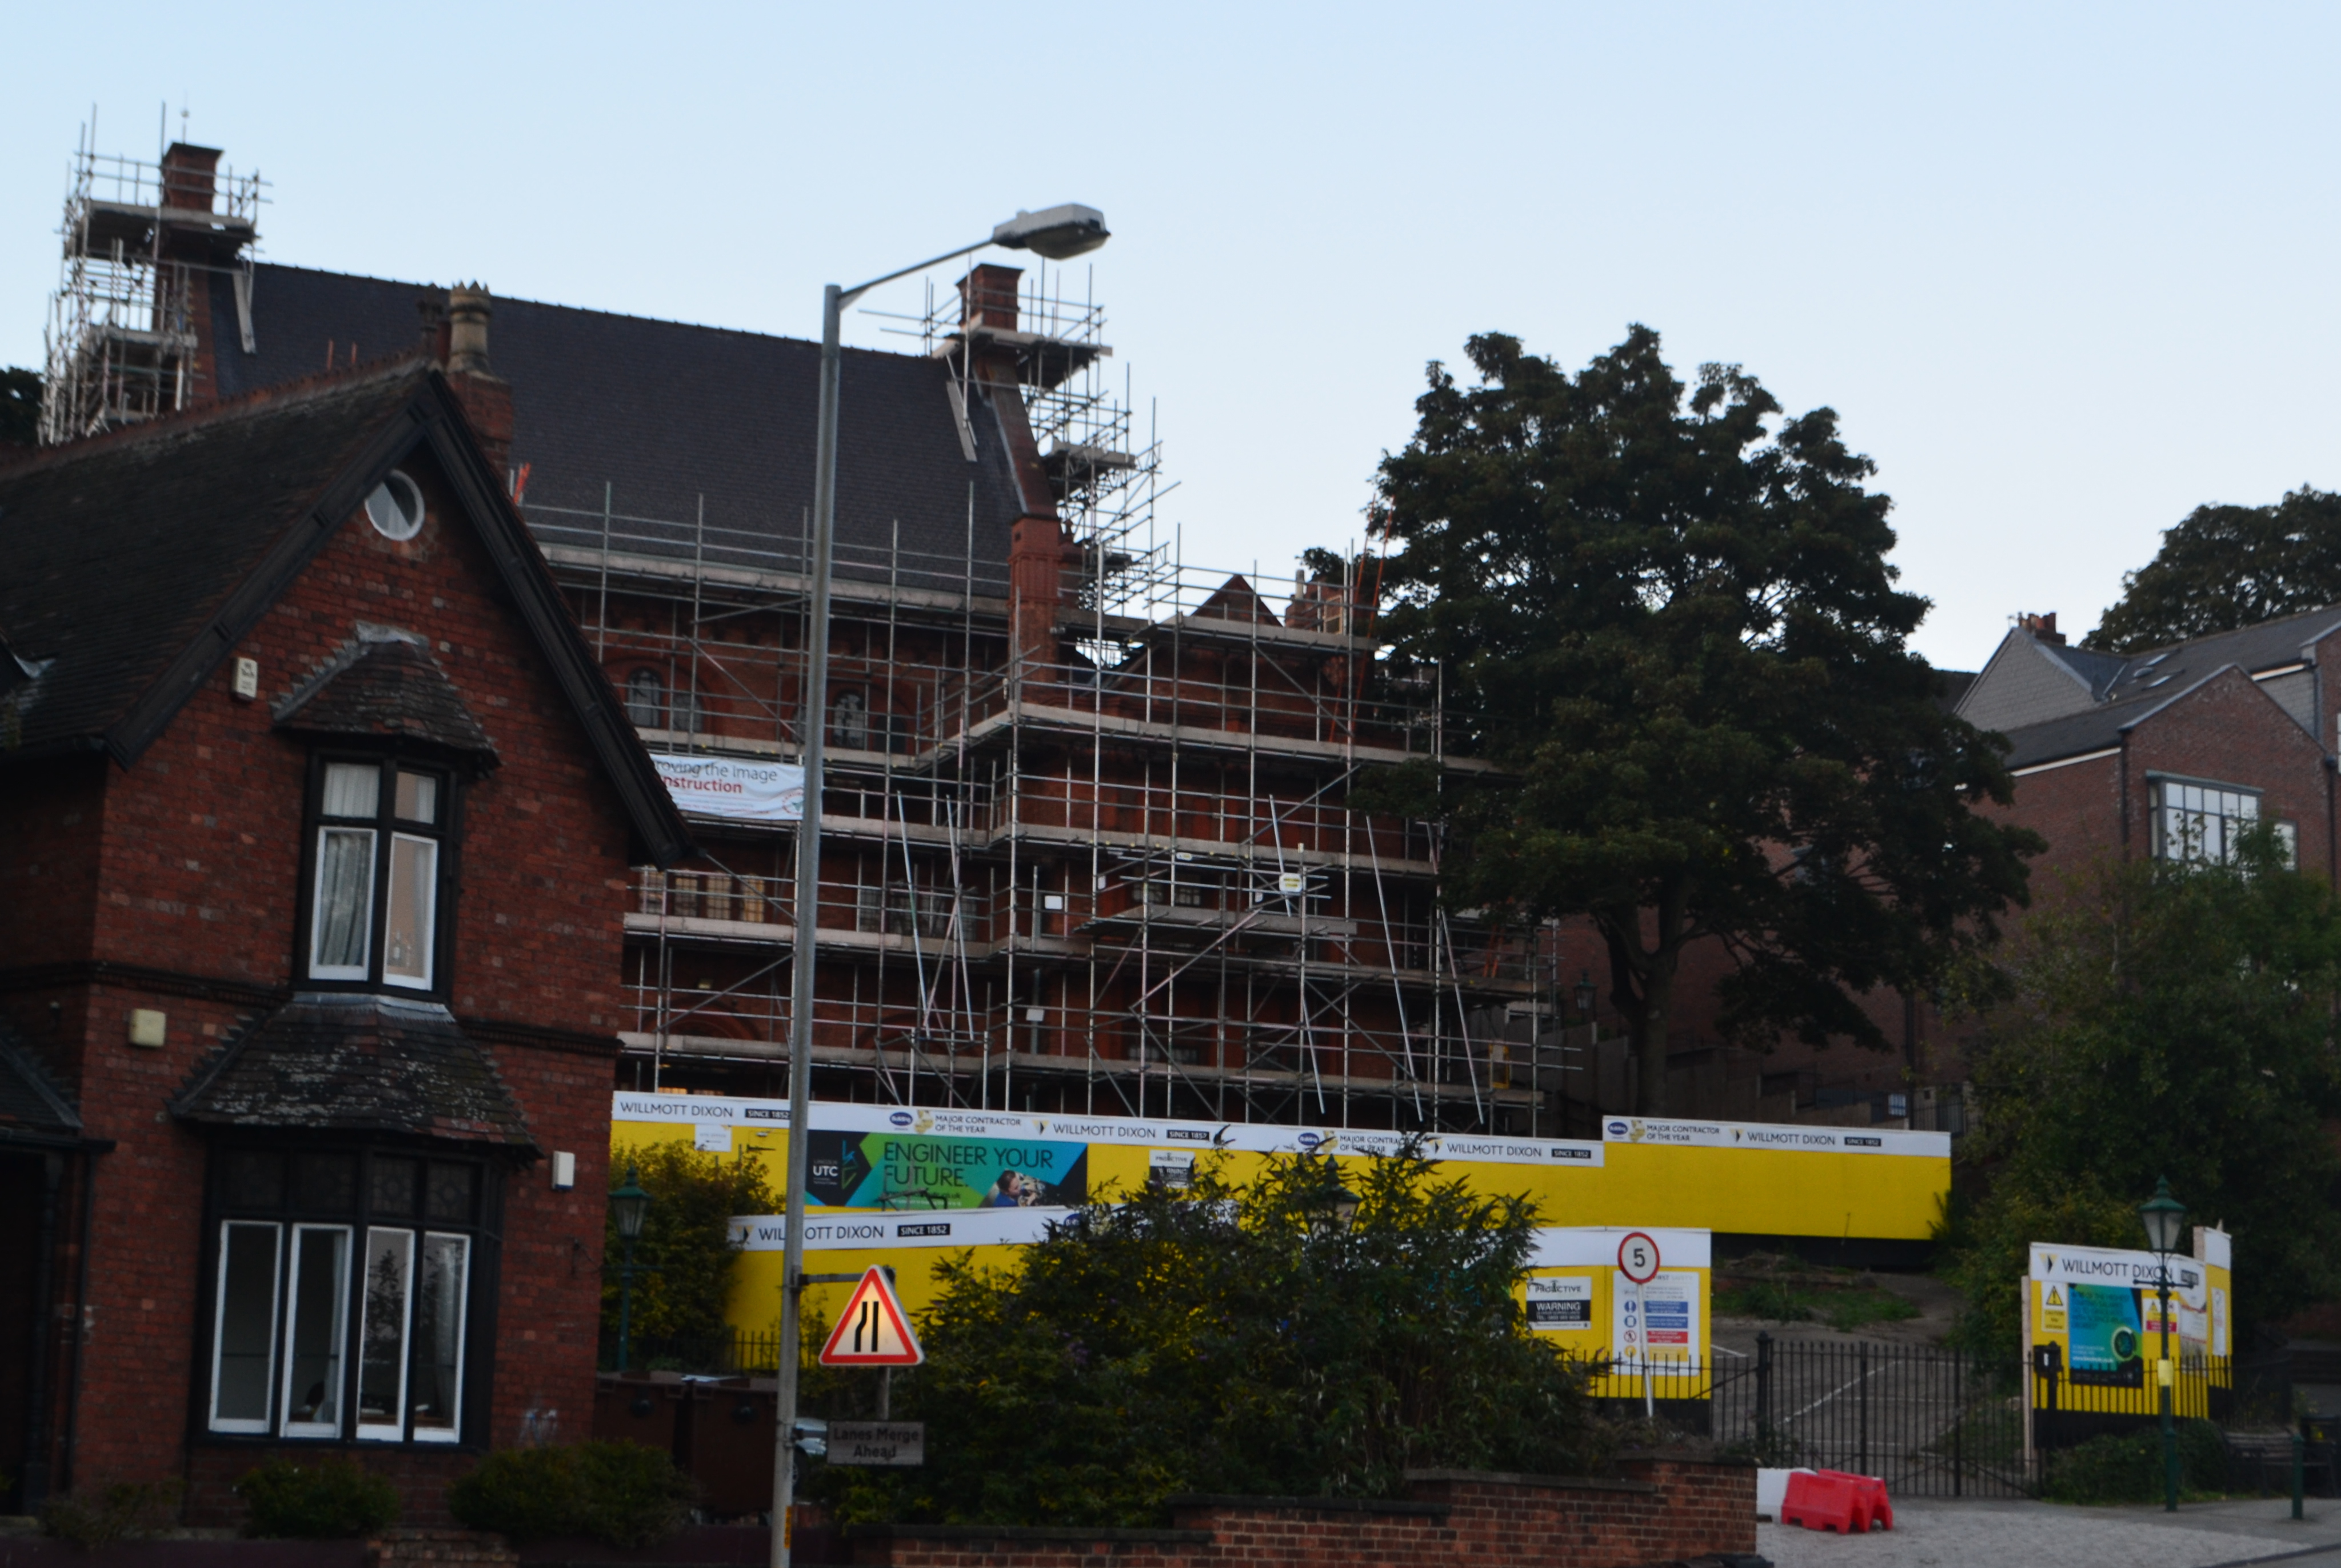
[[670, 422], [385, 687], [358, 1064]]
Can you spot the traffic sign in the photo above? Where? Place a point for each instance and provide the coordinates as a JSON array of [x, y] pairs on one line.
[[874, 1330], [1638, 1257]]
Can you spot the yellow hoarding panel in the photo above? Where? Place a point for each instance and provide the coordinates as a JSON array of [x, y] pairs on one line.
[[910, 1185], [2095, 1326]]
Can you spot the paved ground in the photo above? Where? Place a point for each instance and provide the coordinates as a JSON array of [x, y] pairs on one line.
[[1931, 1534]]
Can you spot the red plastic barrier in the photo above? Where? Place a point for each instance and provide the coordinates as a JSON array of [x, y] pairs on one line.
[[1837, 1500]]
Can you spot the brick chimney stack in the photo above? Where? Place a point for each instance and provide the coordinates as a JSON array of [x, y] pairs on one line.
[[487, 397], [190, 177], [2043, 627], [1039, 555]]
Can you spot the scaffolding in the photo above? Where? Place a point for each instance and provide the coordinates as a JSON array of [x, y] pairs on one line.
[[1114, 873], [141, 242], [1126, 881]]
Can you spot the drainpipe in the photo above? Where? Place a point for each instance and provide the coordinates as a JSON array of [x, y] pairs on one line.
[[34, 1489], [90, 1151]]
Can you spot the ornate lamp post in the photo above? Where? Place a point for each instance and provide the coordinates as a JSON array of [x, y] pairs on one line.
[[2166, 1224], [628, 1205]]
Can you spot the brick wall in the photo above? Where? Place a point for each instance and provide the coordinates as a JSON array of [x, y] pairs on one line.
[[1665, 1509], [172, 885]]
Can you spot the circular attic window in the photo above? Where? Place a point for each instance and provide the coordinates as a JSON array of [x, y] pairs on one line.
[[395, 507]]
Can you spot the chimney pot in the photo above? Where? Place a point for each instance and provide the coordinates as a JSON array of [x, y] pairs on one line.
[[2041, 626], [469, 307]]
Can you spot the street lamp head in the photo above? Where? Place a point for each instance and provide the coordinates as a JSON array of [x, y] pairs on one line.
[[1588, 995], [1058, 232], [2165, 1218], [629, 1204]]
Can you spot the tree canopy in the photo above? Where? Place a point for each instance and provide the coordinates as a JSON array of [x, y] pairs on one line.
[[685, 1255], [1228, 1340], [2164, 1020], [1673, 627], [2227, 567]]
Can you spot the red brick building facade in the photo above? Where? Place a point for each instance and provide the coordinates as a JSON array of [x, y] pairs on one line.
[[315, 822]]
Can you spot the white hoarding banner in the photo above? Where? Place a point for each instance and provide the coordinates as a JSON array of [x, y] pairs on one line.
[[730, 787], [1127, 1131], [1763, 1135]]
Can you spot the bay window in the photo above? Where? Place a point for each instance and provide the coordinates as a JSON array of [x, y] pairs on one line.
[[344, 1297], [376, 874]]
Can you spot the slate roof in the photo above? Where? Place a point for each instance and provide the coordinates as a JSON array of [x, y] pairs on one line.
[[360, 1064], [118, 553], [32, 1108], [130, 564], [387, 686], [2270, 645], [2094, 729], [669, 415]]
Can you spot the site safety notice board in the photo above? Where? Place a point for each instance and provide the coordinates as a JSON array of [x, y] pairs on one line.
[[2093, 1325]]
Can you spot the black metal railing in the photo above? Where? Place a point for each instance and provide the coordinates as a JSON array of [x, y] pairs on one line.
[[1931, 1422], [730, 1353]]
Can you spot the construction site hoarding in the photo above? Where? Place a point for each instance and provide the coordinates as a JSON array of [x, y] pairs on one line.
[[734, 788], [910, 1185], [2094, 1324]]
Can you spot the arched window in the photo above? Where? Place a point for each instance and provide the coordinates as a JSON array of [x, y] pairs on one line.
[[645, 699]]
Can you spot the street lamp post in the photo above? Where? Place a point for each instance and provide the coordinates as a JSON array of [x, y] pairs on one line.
[[627, 1205], [2166, 1224], [1057, 233]]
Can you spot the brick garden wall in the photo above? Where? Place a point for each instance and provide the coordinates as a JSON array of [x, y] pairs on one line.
[[1665, 1509]]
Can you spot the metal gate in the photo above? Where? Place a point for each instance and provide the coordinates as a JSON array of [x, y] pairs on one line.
[[1930, 1423]]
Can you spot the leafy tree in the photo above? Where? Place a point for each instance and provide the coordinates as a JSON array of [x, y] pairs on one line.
[[1220, 1340], [20, 406], [2227, 567], [2164, 1020], [683, 1260], [1675, 632]]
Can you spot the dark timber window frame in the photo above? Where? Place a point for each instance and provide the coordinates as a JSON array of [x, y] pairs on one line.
[[395, 841]]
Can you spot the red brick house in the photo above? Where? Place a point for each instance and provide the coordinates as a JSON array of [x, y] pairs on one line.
[[316, 820]]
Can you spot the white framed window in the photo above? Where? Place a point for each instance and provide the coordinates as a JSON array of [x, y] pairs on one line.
[[389, 1287], [442, 1288], [354, 1328], [315, 1326], [2199, 823], [395, 507], [244, 1348], [374, 883]]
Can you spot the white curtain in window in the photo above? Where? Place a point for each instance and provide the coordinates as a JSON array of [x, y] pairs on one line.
[[353, 789], [344, 903]]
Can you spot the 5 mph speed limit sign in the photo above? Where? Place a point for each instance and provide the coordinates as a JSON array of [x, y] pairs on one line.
[[1638, 1257]]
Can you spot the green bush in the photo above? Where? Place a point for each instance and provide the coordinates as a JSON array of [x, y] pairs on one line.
[[124, 1511], [2127, 1466], [331, 1500], [620, 1493]]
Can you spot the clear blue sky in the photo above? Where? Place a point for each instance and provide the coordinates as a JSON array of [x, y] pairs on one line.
[[2066, 271]]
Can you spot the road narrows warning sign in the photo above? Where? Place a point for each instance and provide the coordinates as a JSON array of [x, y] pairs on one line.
[[873, 1330]]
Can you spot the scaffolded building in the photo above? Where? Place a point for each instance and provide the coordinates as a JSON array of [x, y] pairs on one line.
[[1087, 838], [129, 323], [1087, 844]]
